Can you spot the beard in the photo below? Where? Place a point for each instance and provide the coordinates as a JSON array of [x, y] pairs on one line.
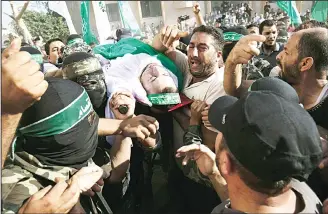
[[204, 69], [267, 46], [290, 74]]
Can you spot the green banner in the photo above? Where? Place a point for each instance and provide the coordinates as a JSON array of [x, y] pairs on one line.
[[319, 11], [88, 36], [290, 8]]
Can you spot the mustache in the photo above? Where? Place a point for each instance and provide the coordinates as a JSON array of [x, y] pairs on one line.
[[278, 62]]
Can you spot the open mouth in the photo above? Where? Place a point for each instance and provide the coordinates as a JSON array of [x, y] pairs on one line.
[[194, 63]]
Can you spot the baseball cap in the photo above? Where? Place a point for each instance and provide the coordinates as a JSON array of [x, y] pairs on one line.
[[276, 85], [270, 136]]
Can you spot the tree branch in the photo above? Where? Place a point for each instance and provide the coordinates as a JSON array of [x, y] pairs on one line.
[[14, 9], [11, 16], [22, 10]]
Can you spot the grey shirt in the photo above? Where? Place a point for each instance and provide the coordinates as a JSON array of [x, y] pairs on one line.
[[311, 202]]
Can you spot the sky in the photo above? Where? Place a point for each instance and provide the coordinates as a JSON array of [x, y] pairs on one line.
[[5, 20]]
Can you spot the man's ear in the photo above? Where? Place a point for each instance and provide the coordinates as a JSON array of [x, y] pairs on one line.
[[306, 64], [225, 167]]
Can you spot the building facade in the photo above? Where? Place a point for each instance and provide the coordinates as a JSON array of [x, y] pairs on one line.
[[153, 12]]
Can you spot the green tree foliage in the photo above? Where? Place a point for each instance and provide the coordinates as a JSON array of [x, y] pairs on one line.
[[47, 25]]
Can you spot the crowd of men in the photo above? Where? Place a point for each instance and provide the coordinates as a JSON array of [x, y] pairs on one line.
[[236, 109]]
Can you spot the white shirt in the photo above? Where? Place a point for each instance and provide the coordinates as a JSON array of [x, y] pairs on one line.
[[207, 90]]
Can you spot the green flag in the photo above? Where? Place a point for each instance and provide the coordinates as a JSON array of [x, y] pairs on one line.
[[319, 11], [88, 36], [290, 8]]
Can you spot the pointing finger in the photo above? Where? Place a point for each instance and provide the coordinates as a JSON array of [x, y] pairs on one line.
[[251, 38]]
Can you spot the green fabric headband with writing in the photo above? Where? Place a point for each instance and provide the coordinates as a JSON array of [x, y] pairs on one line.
[[232, 36], [73, 41], [62, 120], [164, 99], [37, 57]]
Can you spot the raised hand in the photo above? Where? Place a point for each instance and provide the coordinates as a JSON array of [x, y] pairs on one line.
[[22, 82], [170, 34], [244, 50], [196, 8], [203, 156]]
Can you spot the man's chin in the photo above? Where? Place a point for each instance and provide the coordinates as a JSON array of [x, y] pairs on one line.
[[196, 73], [270, 44]]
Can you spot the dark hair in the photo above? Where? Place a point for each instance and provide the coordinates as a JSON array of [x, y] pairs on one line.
[[124, 32], [37, 39], [314, 44], [266, 23], [25, 44], [216, 34], [311, 24], [73, 36], [227, 49], [47, 45], [271, 188], [251, 25]]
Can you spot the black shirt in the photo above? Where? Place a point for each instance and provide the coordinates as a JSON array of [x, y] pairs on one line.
[[271, 58], [319, 113]]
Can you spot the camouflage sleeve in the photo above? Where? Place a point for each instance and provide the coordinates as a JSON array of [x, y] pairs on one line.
[[193, 136], [17, 186]]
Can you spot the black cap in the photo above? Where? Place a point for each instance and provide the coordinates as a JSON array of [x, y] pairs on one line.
[[270, 136], [276, 85]]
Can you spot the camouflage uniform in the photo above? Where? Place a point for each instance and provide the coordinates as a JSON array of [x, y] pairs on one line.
[[25, 176], [81, 46], [76, 47]]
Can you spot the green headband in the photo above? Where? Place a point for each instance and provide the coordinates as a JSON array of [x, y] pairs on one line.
[[73, 41], [62, 120], [232, 36], [37, 57], [164, 99]]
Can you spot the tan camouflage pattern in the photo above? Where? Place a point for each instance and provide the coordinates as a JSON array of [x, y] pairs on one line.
[[25, 176], [83, 67], [77, 47]]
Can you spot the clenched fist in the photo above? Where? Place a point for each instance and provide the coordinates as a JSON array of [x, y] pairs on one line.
[[196, 8], [22, 82]]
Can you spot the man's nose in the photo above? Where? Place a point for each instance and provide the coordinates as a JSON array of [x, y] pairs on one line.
[[195, 52], [278, 57], [156, 72]]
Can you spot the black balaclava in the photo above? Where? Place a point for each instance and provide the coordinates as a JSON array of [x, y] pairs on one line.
[[62, 128], [86, 70]]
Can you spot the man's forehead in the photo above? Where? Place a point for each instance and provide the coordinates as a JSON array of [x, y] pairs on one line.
[[293, 41], [269, 28], [201, 37], [57, 44]]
